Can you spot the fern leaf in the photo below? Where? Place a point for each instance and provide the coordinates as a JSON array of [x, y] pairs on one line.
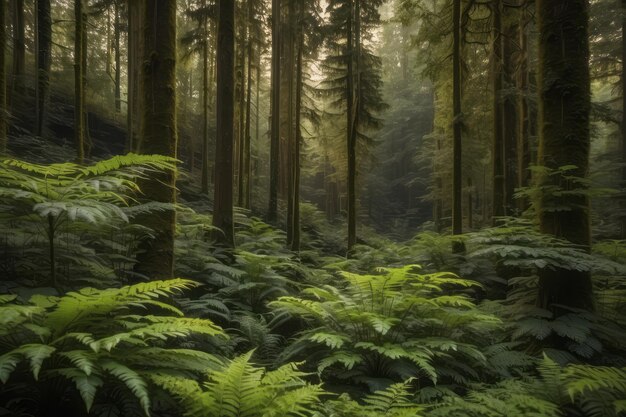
[[131, 379], [87, 385]]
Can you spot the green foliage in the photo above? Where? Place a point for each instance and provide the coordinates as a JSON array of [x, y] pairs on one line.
[[240, 389], [66, 223], [595, 386], [92, 342], [394, 401], [376, 329]]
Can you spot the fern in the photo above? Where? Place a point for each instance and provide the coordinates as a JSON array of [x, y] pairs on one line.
[[240, 389], [92, 340], [65, 220], [390, 326]]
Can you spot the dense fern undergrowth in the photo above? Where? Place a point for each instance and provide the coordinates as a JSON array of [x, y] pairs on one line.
[[396, 329]]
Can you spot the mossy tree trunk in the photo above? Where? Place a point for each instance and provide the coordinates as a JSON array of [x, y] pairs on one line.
[[19, 46], [223, 196], [133, 9], [44, 44], [623, 220], [3, 95], [457, 156], [564, 106], [497, 150], [79, 80], [272, 212], [204, 183], [158, 132]]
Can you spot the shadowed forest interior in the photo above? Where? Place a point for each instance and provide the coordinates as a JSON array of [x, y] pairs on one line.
[[313, 208]]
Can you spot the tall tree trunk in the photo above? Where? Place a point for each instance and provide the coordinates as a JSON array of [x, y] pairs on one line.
[[223, 199], [457, 178], [523, 117], [19, 46], [118, 59], [497, 152], [135, 96], [272, 212], [79, 81], [295, 240], [351, 114], [3, 77], [564, 107], [247, 138], [158, 132], [205, 106], [624, 115], [509, 111], [44, 43], [241, 111], [289, 128]]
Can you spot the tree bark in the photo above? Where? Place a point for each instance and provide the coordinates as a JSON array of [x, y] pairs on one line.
[[247, 137], [457, 178], [19, 46], [79, 81], [509, 123], [205, 105], [564, 107], [3, 77], [158, 132], [523, 118], [272, 212], [44, 43], [118, 59], [295, 240], [497, 152], [134, 94], [223, 199], [352, 115], [623, 220]]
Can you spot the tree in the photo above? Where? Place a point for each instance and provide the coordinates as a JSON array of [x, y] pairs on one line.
[[19, 45], [158, 132], [3, 76], [497, 153], [564, 111], [272, 212], [457, 177], [353, 75], [79, 79], [223, 194], [43, 61], [134, 94]]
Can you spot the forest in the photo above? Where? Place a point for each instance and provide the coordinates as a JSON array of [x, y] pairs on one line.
[[313, 208]]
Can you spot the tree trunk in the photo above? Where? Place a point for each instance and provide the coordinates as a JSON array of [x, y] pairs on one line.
[[497, 152], [223, 199], [509, 112], [3, 84], [241, 113], [158, 132], [118, 59], [523, 118], [247, 139], [295, 239], [457, 178], [134, 94], [289, 127], [44, 43], [564, 106], [352, 115], [272, 212], [19, 46], [205, 106], [624, 115], [79, 81]]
